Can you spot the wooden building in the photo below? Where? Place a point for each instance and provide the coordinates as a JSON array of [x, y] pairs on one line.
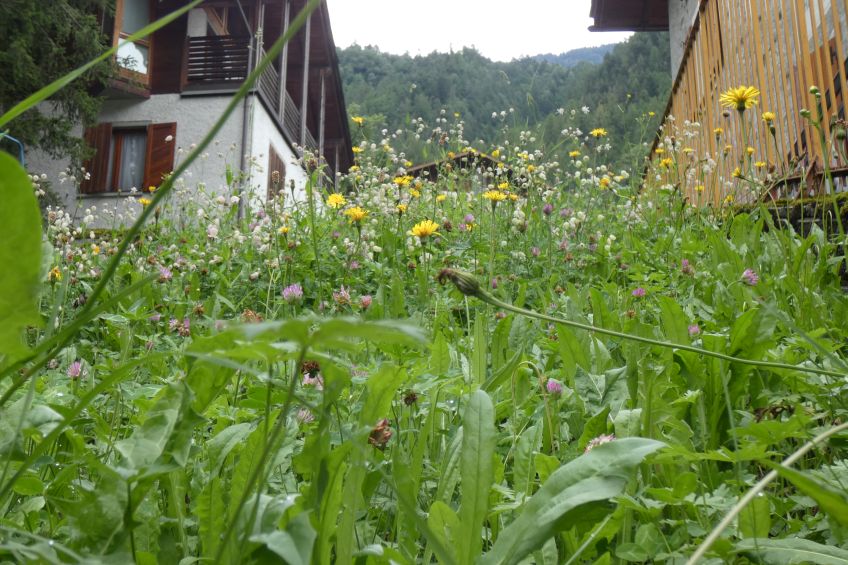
[[781, 47], [172, 86]]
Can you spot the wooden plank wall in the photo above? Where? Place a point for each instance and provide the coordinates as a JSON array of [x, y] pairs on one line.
[[781, 47]]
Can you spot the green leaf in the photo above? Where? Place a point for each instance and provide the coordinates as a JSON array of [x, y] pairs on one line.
[[294, 544], [20, 257], [833, 502], [576, 493], [445, 525], [755, 519], [481, 347], [673, 320], [596, 426], [476, 471], [791, 551]]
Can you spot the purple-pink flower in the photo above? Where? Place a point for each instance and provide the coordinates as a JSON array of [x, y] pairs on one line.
[[750, 277], [547, 209], [535, 251], [686, 267], [554, 387], [342, 296], [600, 440], [365, 302], [694, 329], [75, 369], [469, 218], [293, 293], [165, 274], [639, 292]]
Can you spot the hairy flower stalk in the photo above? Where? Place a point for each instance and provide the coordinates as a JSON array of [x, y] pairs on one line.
[[468, 285]]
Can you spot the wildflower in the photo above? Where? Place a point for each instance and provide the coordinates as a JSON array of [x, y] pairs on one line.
[[651, 114], [75, 369], [598, 132], [353, 168], [699, 188], [531, 168], [574, 154], [185, 329], [768, 117], [605, 181], [381, 434], [155, 318], [293, 293], [694, 330], [358, 120], [750, 150], [356, 214], [283, 230], [95, 249], [356, 149], [737, 173], [548, 209], [600, 440], [336, 200], [741, 98], [145, 202], [468, 219], [513, 197], [440, 198], [638, 292], [503, 186], [410, 398], [688, 150], [496, 153], [313, 379], [165, 274], [402, 208], [342, 296], [554, 387], [686, 267], [750, 277], [659, 151], [667, 163], [304, 416], [535, 251], [415, 193], [212, 231], [494, 196], [760, 164], [423, 230], [365, 301], [728, 199], [55, 274], [718, 131], [151, 189], [402, 181]]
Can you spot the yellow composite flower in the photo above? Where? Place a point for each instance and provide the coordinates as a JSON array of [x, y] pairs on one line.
[[531, 168], [574, 154], [699, 188], [651, 114], [353, 168], [357, 149], [415, 193], [513, 197], [750, 150], [401, 208], [688, 150], [407, 163], [358, 120], [145, 202], [598, 132], [769, 117], [728, 199], [667, 163], [718, 131], [424, 229], [336, 200], [440, 197], [605, 182], [402, 181], [737, 173], [496, 153], [451, 154], [151, 189], [494, 196], [760, 164], [356, 214], [659, 150], [503, 186], [95, 249], [740, 98], [283, 230], [55, 274]]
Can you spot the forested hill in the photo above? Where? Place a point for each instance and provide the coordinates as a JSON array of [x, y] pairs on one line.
[[632, 79], [576, 56]]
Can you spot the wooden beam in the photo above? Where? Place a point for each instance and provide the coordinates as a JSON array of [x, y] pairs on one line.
[[304, 99], [322, 117], [284, 62]]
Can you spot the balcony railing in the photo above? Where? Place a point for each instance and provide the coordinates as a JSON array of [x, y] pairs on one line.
[[220, 64]]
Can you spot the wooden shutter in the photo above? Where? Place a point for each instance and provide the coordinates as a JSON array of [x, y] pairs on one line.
[[98, 138], [275, 163], [160, 153]]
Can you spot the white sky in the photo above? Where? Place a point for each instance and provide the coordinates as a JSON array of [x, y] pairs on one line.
[[499, 29]]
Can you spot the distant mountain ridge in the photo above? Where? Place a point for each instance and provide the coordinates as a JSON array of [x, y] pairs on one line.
[[592, 55]]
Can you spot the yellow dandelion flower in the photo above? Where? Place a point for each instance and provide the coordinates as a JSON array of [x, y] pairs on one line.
[[402, 181], [769, 117], [598, 132], [357, 149], [728, 199], [688, 150], [55, 274], [605, 182], [741, 97], [402, 208], [750, 150], [283, 230], [728, 148], [451, 154], [494, 196], [358, 120], [145, 202], [574, 154], [760, 164], [531, 168], [667, 163], [513, 197], [503, 186], [699, 188], [95, 249], [718, 131], [415, 193], [651, 114], [423, 230], [659, 151], [407, 163], [440, 197], [737, 173], [356, 214], [336, 200], [151, 189], [496, 153], [353, 168]]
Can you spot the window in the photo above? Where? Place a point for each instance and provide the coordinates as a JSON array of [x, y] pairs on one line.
[[133, 58], [276, 182], [127, 158]]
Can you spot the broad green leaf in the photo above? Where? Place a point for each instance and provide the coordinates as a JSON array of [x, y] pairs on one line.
[[832, 501], [791, 551], [577, 492], [445, 525], [20, 258], [476, 471], [673, 320], [480, 351], [294, 544], [596, 426], [755, 519]]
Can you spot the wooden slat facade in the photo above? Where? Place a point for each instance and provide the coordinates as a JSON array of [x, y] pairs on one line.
[[782, 47]]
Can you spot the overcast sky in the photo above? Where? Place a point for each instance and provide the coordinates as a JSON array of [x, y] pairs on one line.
[[499, 29]]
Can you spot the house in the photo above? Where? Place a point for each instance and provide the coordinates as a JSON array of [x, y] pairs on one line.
[[171, 87], [782, 47]]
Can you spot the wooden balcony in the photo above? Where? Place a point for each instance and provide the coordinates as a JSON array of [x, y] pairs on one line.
[[219, 64]]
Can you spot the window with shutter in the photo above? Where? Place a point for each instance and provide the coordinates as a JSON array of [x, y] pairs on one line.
[[128, 158], [276, 172]]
